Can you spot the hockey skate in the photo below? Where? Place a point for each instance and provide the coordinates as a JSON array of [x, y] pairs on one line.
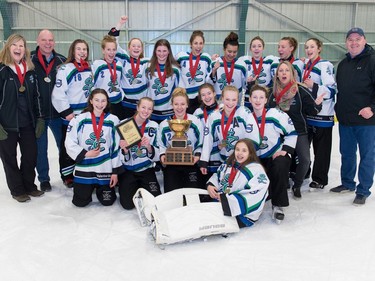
[[277, 214]]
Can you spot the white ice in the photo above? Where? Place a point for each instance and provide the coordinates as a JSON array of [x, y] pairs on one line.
[[324, 237]]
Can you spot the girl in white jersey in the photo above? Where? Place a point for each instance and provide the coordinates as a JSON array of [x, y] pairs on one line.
[[74, 81], [134, 82], [228, 70], [138, 160], [163, 74], [318, 77], [240, 185], [92, 141], [195, 68], [108, 74], [258, 66]]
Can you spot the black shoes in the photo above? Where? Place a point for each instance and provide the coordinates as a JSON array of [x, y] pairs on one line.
[[341, 189], [359, 200], [315, 186], [277, 214], [35, 193], [45, 186], [296, 192], [22, 198]]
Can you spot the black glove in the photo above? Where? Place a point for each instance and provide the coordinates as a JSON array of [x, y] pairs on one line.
[[40, 126], [3, 133]]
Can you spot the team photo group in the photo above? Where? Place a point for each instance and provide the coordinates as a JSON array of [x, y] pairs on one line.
[[248, 124]]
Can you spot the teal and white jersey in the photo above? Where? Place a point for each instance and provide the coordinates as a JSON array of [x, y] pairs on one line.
[[297, 64], [201, 76], [102, 79], [243, 126], [247, 194], [264, 78], [71, 90], [80, 138], [324, 82], [161, 94], [238, 79], [138, 158], [133, 86], [214, 160], [279, 134], [194, 135]]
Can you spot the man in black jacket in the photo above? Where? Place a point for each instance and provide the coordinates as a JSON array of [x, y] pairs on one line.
[[355, 110], [46, 61]]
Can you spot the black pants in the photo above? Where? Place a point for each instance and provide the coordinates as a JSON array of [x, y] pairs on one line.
[[321, 139], [66, 163], [278, 173], [180, 176], [20, 179], [82, 194], [130, 181], [303, 152]]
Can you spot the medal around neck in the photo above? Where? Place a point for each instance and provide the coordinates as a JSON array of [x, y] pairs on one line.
[[179, 152], [22, 89]]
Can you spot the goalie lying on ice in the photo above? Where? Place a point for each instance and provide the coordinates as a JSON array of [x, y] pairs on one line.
[[234, 198]]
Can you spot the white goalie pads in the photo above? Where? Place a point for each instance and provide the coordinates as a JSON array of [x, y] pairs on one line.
[[180, 216]]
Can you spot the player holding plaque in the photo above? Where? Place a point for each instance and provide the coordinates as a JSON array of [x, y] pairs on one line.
[[138, 160], [179, 176]]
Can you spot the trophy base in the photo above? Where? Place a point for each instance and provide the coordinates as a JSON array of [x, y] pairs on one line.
[[179, 156]]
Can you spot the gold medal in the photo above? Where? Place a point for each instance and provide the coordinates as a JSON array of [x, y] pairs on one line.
[[227, 190], [47, 79], [224, 143], [113, 89], [139, 152], [22, 89]]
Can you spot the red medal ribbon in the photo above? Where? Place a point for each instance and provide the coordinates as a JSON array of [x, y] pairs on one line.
[[283, 92], [229, 121], [143, 128], [291, 60], [21, 76], [228, 74], [205, 114], [84, 65], [161, 77], [135, 67], [232, 175], [48, 69], [112, 71], [261, 126], [97, 127], [256, 70], [307, 70], [193, 67]]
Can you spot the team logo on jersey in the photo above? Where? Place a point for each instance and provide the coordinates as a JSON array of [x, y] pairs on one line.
[[262, 178], [88, 85], [249, 128], [223, 81], [231, 140], [138, 152], [196, 79], [159, 88], [58, 83], [94, 143], [133, 80]]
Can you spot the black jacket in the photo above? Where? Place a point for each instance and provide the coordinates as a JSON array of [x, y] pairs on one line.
[[303, 104], [45, 88], [9, 85], [355, 79]]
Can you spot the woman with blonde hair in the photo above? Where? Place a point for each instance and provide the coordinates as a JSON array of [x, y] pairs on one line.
[[20, 118]]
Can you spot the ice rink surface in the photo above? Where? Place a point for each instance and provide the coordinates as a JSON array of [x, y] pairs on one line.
[[323, 237]]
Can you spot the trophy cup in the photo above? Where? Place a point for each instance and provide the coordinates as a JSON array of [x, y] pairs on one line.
[[179, 153]]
